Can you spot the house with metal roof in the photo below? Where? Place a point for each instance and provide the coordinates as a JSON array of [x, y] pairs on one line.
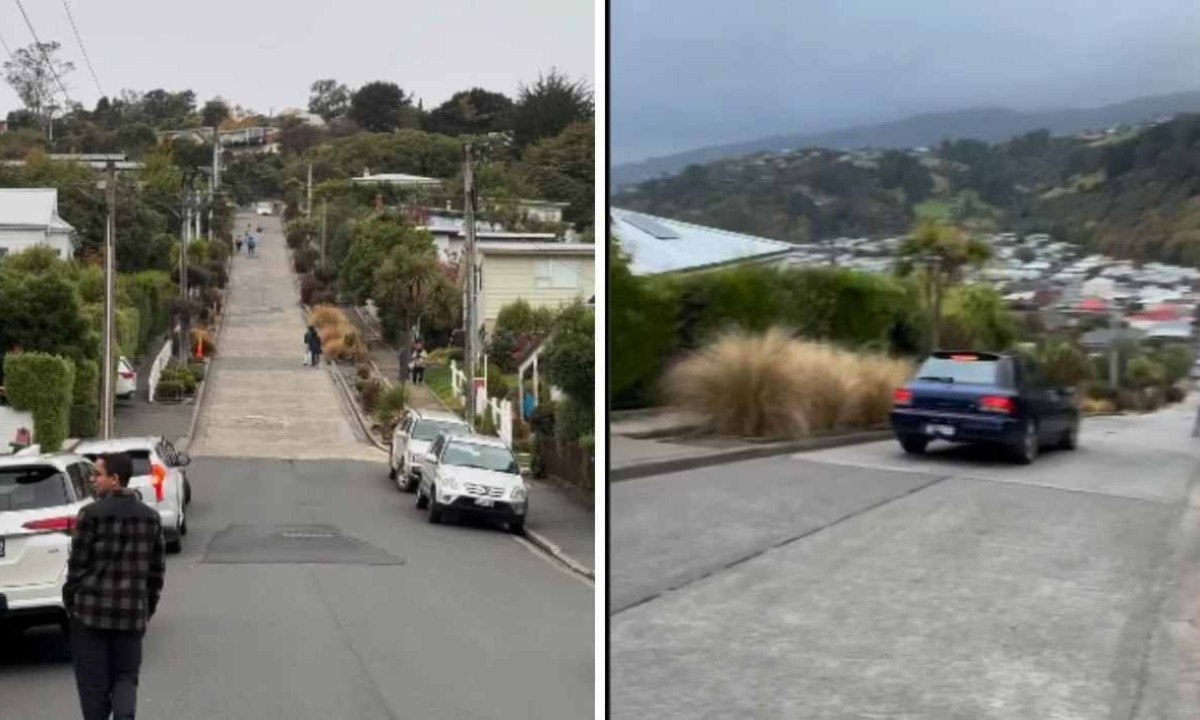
[[660, 245], [29, 217]]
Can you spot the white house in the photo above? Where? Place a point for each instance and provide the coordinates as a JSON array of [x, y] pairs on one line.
[[661, 245], [542, 274], [29, 217], [542, 210]]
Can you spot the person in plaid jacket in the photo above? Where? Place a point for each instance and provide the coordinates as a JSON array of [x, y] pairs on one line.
[[114, 579]]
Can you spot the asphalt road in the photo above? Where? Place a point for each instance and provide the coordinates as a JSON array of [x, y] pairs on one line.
[[417, 621], [858, 582]]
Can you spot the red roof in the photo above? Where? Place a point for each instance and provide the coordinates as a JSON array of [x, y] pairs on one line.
[[1160, 313], [1092, 305]]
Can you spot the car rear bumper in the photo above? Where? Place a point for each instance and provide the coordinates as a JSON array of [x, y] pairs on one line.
[[32, 604], [968, 427]]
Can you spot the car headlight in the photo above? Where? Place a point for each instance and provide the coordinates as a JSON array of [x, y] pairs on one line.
[[519, 495], [448, 483]]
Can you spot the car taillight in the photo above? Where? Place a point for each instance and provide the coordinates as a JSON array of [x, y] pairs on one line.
[[902, 396], [127, 376], [159, 475], [997, 404], [64, 524]]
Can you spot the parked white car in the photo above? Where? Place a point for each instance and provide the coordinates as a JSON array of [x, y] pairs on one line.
[[126, 379], [40, 498], [158, 474], [473, 475], [264, 208], [411, 440]]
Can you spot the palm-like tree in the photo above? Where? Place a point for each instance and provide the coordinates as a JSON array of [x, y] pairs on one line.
[[938, 254]]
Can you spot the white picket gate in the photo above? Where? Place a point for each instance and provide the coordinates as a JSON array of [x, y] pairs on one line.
[[160, 362]]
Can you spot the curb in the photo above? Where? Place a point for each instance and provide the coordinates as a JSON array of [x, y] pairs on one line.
[[202, 391], [721, 457], [344, 391], [556, 552]]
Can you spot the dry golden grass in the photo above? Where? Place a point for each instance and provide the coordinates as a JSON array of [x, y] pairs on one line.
[[339, 338], [1097, 406], [771, 385]]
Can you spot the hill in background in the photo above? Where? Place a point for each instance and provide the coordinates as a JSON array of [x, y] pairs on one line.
[[928, 129]]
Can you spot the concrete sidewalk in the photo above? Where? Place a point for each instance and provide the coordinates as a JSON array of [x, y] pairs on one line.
[[139, 416]]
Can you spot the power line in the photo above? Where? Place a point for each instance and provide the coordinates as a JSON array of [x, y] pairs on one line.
[[38, 42], [7, 49], [79, 39]]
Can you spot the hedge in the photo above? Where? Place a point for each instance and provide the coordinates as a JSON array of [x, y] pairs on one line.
[[85, 403], [654, 318], [43, 385]]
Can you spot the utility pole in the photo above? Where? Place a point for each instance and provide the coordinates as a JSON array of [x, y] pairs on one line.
[[110, 268], [324, 219], [185, 242], [1113, 355], [308, 202], [216, 177], [471, 348]]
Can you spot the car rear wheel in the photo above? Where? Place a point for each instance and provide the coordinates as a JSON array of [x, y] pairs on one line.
[[914, 445], [1070, 438], [187, 492], [1026, 451], [422, 501], [174, 544]]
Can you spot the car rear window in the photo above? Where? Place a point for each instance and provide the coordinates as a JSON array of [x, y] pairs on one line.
[[965, 369], [430, 429], [139, 458], [32, 488]]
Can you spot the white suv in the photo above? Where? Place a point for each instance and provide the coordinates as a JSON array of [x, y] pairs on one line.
[[473, 475], [157, 474], [40, 498], [411, 441]]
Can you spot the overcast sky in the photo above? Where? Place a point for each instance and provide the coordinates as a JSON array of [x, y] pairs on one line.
[[691, 73], [264, 54]]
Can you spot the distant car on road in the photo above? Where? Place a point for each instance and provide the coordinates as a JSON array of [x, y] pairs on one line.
[[159, 476], [40, 497], [126, 379], [264, 208], [411, 440], [986, 398], [473, 475]]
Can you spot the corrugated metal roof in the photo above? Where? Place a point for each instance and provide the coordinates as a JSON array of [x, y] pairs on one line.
[[694, 246], [508, 247], [30, 207]]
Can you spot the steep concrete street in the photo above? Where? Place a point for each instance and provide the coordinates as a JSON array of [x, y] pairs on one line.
[[858, 582], [308, 586]]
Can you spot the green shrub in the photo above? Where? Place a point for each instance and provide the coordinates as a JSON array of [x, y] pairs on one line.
[[42, 384], [1100, 390], [390, 408], [168, 389], [1176, 362], [1065, 365], [497, 384], [1143, 372], [128, 332], [1175, 394], [304, 259], [370, 393], [85, 420]]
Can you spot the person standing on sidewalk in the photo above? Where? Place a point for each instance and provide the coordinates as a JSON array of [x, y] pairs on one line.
[[114, 579], [418, 363], [313, 340]]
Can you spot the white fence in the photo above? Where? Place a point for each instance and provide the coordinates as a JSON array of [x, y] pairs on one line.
[[160, 362], [501, 411]]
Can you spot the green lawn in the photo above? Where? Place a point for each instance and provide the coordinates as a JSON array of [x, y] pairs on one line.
[[437, 378]]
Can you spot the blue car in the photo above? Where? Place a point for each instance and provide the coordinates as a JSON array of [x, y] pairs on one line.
[[984, 398]]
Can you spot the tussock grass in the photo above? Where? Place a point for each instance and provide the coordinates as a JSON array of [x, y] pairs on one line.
[[339, 337], [772, 385]]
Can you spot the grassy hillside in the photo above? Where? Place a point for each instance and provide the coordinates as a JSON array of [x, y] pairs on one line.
[[1133, 194]]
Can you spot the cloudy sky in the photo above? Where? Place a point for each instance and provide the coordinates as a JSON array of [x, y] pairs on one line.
[[264, 54], [691, 73]]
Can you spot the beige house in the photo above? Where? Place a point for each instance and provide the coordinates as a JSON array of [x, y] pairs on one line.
[[543, 274]]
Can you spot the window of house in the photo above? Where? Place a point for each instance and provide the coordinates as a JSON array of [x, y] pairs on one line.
[[557, 274]]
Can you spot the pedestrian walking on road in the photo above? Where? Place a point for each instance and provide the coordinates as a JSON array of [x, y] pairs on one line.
[[418, 363], [237, 244], [251, 243], [312, 339], [114, 579]]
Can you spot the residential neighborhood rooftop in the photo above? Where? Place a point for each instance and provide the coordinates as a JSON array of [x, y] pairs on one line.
[[661, 245]]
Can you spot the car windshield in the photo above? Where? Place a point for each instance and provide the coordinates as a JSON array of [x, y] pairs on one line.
[[961, 369], [430, 429], [485, 457], [32, 488], [140, 459]]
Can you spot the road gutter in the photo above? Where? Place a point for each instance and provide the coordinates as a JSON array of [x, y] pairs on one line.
[[752, 451]]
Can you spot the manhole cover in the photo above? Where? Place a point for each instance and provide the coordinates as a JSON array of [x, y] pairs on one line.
[[293, 544]]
